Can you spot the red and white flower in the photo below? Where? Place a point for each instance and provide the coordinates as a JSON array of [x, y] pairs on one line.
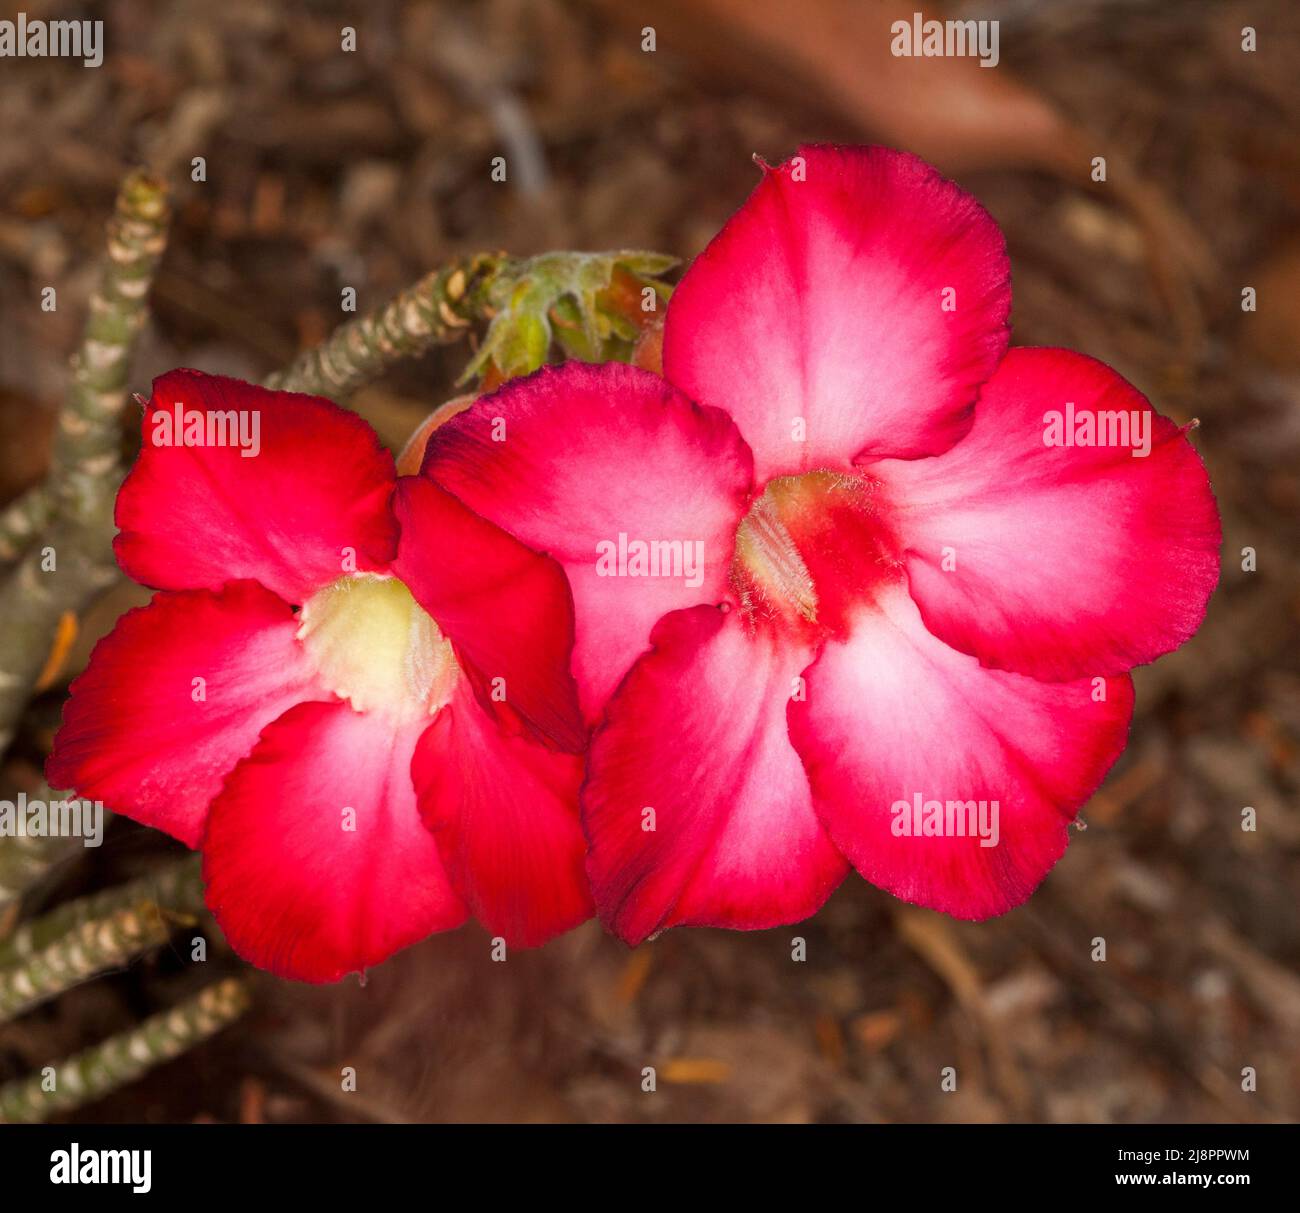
[[906, 592], [352, 692]]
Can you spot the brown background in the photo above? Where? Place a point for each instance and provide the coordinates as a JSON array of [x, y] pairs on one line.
[[328, 169]]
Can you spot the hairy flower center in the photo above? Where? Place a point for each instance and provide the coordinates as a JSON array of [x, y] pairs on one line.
[[768, 565], [376, 647], [800, 529]]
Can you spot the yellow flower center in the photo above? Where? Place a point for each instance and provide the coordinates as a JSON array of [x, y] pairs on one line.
[[834, 518], [376, 647], [768, 566]]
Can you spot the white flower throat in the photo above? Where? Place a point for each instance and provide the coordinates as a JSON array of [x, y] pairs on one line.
[[376, 647]]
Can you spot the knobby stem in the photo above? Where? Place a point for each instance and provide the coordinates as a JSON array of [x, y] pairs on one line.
[[25, 859], [72, 560], [22, 520], [88, 949], [176, 888], [441, 308], [92, 1074]]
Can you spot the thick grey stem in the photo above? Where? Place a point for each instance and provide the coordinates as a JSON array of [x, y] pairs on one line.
[[439, 309]]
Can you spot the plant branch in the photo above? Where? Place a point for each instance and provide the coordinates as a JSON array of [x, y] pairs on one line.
[[74, 561], [26, 859], [87, 443], [176, 888], [91, 948], [22, 520], [95, 1072], [439, 309]]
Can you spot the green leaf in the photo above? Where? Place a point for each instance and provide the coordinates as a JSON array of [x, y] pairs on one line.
[[566, 299]]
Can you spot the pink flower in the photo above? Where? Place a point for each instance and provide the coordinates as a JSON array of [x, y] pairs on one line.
[[925, 562], [426, 676]]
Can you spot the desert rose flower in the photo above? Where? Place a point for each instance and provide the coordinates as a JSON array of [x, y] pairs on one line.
[[853, 581], [352, 692]]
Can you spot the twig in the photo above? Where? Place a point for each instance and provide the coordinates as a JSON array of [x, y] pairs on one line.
[[89, 433], [74, 561], [22, 520], [34, 598], [95, 1072], [595, 298], [176, 889], [437, 310], [91, 948], [25, 860]]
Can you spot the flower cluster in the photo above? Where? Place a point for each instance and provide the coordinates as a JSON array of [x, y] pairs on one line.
[[850, 583]]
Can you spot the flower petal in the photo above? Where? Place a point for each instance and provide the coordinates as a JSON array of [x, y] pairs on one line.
[[577, 456], [315, 858], [697, 733], [1063, 561], [857, 294], [174, 697], [504, 812], [506, 609], [195, 516], [894, 714]]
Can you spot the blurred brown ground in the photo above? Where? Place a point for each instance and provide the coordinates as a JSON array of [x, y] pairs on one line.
[[329, 169]]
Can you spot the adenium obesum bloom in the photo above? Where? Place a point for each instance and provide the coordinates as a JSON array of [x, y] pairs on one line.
[[352, 692], [854, 583]]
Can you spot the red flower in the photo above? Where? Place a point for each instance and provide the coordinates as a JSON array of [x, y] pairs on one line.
[[425, 676], [919, 584]]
